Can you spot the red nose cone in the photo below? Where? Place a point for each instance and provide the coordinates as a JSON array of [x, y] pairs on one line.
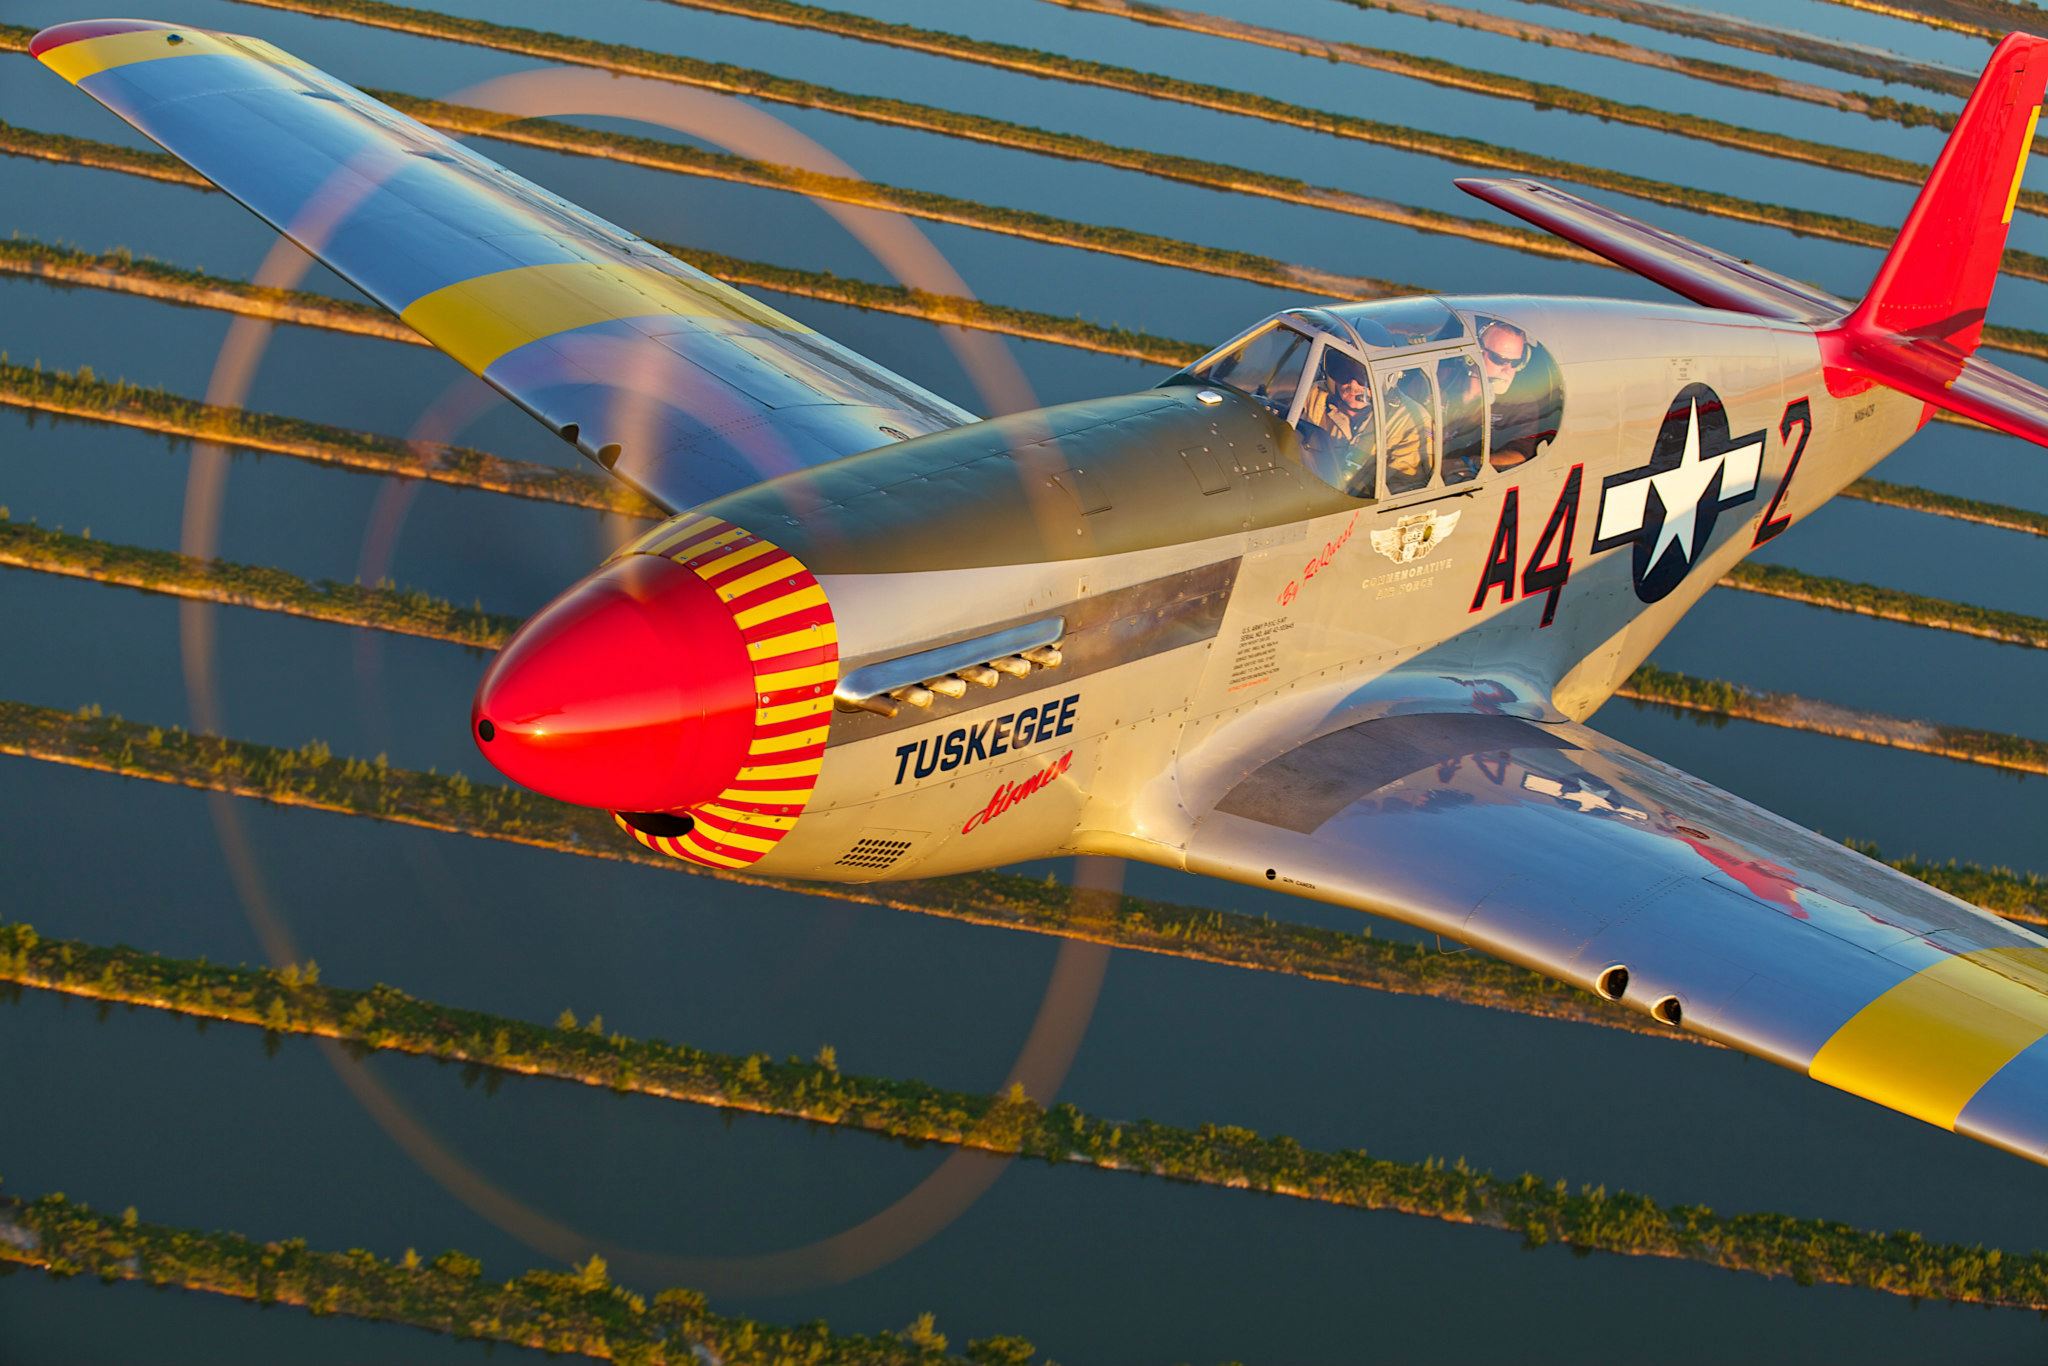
[[632, 691]]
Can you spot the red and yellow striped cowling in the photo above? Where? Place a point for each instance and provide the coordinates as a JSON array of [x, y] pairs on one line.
[[793, 643]]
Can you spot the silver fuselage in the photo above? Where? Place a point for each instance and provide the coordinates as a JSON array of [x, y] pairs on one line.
[[1202, 638]]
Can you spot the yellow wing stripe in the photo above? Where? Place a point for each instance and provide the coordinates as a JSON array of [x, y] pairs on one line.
[[481, 319], [2012, 196], [1927, 1045]]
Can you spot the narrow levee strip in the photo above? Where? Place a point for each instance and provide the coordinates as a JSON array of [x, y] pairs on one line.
[[1636, 54], [1431, 70], [1917, 499], [578, 1311], [654, 154], [1450, 75], [1730, 30], [736, 80], [123, 272], [1980, 18], [399, 610], [83, 395], [1025, 224], [86, 397], [1717, 697], [294, 1001], [311, 777], [1889, 604], [411, 612]]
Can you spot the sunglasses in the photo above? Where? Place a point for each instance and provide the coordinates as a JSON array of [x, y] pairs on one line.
[[1515, 363]]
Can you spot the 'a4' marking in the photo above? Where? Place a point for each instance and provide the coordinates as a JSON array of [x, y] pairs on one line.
[[1549, 566]]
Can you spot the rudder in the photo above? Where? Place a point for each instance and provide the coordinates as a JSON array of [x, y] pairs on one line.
[[1935, 283]]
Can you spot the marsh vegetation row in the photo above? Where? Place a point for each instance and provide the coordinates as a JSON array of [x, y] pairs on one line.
[[1891, 604], [124, 272], [656, 154], [1430, 70], [82, 394], [1719, 698], [292, 1000], [312, 776], [387, 607], [1690, 23], [579, 1311], [1949, 505], [1728, 30], [626, 59], [1224, 262], [1989, 19], [383, 607]]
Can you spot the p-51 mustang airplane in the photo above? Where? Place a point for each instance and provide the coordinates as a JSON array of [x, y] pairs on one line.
[[1321, 612]]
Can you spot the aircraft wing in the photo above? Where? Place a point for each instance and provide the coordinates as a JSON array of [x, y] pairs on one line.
[[680, 385], [1556, 847], [1692, 269]]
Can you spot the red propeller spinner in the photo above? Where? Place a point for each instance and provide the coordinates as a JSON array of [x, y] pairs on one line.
[[693, 670]]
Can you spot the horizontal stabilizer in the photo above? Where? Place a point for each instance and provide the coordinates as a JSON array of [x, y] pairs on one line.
[[1688, 268], [1917, 328], [1937, 373]]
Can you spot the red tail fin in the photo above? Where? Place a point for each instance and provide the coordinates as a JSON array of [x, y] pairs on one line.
[[1936, 282], [1925, 311]]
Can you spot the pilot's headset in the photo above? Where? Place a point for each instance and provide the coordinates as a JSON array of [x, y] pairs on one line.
[[1342, 370]]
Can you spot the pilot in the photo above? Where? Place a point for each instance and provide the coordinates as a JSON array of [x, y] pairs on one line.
[[1339, 428]]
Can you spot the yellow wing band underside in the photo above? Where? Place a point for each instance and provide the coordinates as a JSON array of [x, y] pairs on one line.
[[1931, 1042]]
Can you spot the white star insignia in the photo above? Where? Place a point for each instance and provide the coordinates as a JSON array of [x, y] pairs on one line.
[[1625, 503]]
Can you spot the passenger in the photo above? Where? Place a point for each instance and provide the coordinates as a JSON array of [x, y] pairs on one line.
[[1503, 354]]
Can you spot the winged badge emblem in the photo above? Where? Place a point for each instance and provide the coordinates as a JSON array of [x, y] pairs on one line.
[[1411, 538]]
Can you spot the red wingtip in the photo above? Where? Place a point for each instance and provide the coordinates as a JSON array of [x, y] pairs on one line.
[[78, 30]]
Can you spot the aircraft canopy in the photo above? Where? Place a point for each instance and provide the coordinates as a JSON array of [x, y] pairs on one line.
[[1397, 396]]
